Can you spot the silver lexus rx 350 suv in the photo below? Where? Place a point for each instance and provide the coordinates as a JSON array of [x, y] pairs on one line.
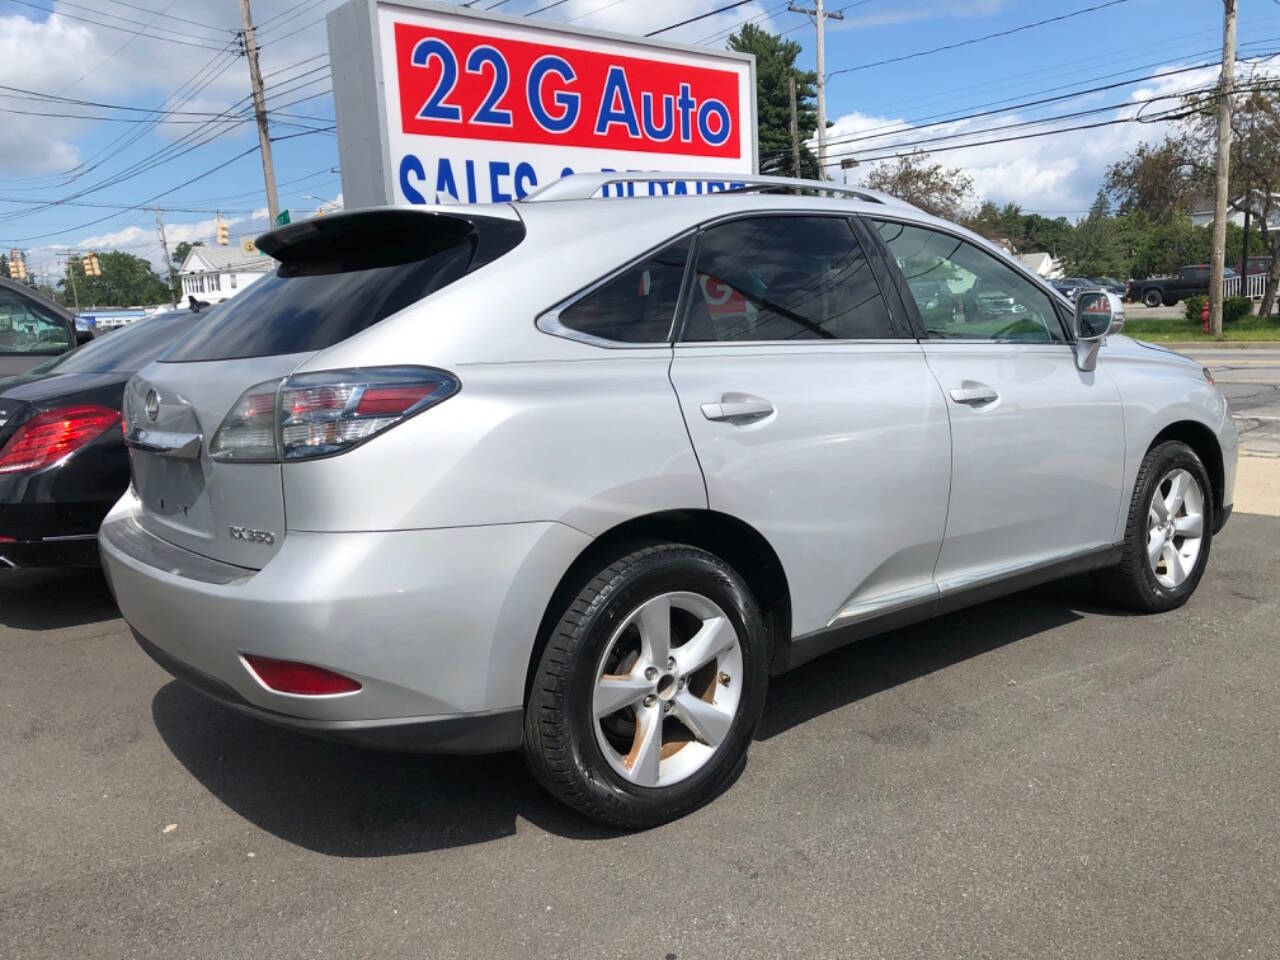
[[575, 475]]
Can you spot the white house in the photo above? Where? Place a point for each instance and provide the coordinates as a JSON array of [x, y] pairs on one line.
[[1202, 211], [1042, 265], [214, 274]]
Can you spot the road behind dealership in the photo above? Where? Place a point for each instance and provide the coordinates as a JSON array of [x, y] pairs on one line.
[[1036, 777]]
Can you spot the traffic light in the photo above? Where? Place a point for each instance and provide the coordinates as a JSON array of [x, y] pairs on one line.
[[92, 268], [223, 238]]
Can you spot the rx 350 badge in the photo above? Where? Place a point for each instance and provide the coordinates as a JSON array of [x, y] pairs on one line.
[[249, 535]]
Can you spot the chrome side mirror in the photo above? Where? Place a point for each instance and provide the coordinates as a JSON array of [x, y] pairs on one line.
[[1098, 315]]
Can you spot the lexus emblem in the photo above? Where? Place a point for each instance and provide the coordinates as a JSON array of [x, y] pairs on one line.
[[152, 405]]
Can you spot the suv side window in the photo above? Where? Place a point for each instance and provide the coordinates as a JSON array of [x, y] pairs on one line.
[[964, 293], [637, 305], [784, 278], [27, 328]]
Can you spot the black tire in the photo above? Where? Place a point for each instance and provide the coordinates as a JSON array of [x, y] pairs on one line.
[[1132, 583], [560, 744], [1152, 298]]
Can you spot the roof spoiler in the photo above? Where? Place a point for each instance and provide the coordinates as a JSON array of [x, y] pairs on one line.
[[388, 236]]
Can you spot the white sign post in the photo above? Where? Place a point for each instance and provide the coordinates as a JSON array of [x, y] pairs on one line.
[[436, 102]]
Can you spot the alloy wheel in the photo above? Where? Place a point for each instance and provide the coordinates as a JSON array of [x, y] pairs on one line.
[[1175, 527], [667, 689]]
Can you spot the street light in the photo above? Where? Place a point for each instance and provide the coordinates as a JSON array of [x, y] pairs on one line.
[[312, 196]]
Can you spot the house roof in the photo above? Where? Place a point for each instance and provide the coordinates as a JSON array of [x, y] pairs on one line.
[[219, 258]]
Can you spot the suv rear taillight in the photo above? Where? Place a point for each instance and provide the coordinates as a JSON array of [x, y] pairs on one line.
[[53, 435], [320, 414]]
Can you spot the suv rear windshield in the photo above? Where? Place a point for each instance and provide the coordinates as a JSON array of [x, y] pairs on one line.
[[339, 277]]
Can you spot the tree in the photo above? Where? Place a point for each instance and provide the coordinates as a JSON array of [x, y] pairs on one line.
[[916, 179], [1095, 249], [126, 281], [775, 63], [1160, 181]]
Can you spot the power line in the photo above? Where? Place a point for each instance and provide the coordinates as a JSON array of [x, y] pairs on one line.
[[711, 13], [916, 125], [207, 45], [989, 36], [164, 193], [945, 148], [167, 15]]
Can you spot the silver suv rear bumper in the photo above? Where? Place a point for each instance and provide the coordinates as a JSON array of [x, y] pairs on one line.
[[437, 626]]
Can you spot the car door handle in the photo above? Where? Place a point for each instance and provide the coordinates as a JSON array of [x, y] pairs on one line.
[[744, 410], [973, 396]]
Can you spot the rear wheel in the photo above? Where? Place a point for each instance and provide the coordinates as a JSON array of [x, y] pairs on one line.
[[1169, 532], [649, 689]]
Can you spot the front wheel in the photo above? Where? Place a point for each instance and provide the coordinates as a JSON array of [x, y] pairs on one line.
[[649, 689], [1152, 298], [1168, 534]]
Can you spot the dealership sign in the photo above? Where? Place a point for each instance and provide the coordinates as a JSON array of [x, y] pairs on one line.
[[436, 102]]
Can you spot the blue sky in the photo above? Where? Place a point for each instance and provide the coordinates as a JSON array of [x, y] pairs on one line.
[[106, 165]]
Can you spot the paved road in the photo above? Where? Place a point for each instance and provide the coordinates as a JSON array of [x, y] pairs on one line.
[[1032, 778], [1250, 380]]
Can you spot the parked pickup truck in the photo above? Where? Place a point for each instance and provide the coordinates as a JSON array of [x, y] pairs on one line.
[[1189, 281]]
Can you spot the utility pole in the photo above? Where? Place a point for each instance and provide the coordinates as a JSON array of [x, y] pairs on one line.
[[795, 128], [260, 110], [819, 17], [168, 264], [71, 275], [1224, 166]]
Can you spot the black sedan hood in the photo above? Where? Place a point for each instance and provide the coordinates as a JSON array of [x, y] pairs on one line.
[[41, 390]]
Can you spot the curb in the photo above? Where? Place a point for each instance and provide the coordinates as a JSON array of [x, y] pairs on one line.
[[1212, 344]]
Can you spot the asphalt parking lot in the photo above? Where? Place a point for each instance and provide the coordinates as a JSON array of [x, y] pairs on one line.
[[1036, 777]]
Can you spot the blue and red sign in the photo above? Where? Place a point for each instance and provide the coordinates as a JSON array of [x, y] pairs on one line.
[[472, 86]]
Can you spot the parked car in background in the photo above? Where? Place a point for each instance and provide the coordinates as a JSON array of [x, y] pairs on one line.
[[63, 462], [1070, 286], [1111, 285], [576, 476], [33, 328], [1188, 282], [1259, 264]]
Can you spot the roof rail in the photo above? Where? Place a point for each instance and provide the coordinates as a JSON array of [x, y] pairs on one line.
[[584, 186]]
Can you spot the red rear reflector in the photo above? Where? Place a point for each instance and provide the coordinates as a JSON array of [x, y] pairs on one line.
[[286, 676], [391, 400], [48, 437]]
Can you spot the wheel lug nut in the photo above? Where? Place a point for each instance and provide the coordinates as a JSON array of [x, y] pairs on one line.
[[650, 700], [651, 673]]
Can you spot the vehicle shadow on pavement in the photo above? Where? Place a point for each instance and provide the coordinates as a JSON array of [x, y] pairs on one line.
[[349, 802], [54, 599], [888, 660]]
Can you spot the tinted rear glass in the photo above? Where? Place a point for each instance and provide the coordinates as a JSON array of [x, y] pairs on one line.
[[331, 287], [128, 349]]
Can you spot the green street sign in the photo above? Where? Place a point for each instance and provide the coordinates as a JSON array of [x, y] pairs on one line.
[[282, 218]]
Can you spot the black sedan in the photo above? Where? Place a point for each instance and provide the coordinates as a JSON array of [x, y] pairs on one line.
[[63, 462]]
